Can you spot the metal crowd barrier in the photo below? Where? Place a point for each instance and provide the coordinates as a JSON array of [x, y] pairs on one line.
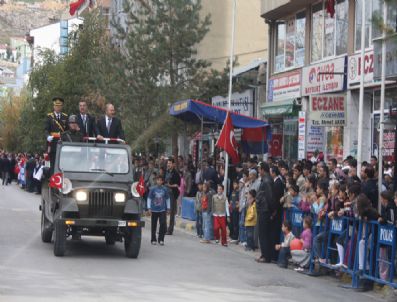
[[377, 243]]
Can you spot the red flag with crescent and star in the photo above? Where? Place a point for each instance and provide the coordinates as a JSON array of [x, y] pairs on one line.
[[56, 181], [227, 141], [140, 188]]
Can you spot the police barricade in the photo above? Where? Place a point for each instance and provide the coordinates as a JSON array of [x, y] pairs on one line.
[[377, 252], [369, 249], [342, 230]]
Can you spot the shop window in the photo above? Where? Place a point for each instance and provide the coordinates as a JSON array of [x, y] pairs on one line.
[[374, 11], [290, 43], [329, 35], [290, 138]]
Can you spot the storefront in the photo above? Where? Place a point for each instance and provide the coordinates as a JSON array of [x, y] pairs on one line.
[[281, 110], [325, 102]]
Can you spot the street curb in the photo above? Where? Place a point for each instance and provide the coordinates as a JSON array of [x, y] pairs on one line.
[[188, 226]]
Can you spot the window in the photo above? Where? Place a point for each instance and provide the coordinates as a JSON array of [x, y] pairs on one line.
[[329, 35], [89, 159], [290, 43], [373, 10]]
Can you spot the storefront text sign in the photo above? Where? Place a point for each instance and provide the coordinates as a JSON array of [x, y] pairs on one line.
[[354, 69], [285, 87], [324, 77], [301, 135], [241, 103], [327, 110]]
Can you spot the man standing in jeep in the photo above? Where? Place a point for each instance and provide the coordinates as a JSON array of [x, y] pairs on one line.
[[55, 125]]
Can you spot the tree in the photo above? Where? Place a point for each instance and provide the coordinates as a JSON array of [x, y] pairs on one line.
[[158, 57]]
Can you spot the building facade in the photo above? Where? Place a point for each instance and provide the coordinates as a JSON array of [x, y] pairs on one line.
[[314, 76]]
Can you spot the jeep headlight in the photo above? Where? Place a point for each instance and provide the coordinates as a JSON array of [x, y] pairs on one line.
[[81, 196], [119, 197]]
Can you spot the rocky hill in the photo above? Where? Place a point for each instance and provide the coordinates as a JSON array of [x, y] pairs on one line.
[[18, 17]]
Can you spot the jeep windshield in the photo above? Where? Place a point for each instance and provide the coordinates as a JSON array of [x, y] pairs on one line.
[[90, 159]]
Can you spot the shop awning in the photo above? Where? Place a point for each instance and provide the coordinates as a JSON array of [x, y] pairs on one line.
[[279, 108], [194, 111]]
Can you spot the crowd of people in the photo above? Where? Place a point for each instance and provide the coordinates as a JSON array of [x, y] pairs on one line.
[[251, 210], [25, 169]]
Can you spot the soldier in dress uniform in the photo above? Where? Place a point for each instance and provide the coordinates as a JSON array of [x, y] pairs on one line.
[[73, 134], [55, 125]]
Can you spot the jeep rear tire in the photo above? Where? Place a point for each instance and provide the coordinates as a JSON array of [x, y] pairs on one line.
[[46, 229], [60, 238], [132, 242]]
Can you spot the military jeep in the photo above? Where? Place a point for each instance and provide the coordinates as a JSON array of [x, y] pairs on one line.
[[90, 192]]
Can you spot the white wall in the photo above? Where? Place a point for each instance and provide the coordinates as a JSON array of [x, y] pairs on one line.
[[47, 37]]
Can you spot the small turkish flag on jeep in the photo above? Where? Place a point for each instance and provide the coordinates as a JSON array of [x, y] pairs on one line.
[[227, 141], [56, 181], [140, 188]]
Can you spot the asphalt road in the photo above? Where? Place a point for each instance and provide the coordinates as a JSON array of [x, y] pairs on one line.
[[182, 270]]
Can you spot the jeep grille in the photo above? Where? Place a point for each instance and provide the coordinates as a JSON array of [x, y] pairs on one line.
[[100, 204]]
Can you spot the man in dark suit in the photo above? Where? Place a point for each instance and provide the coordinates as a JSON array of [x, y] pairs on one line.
[[109, 126], [278, 192], [86, 121]]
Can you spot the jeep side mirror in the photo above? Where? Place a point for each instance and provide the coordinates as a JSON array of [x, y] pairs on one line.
[[46, 172]]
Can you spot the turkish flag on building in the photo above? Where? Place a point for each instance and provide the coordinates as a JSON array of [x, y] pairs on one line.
[[80, 5], [331, 7], [56, 181], [227, 141], [140, 188]]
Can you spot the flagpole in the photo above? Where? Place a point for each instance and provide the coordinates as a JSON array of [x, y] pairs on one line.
[[361, 94], [230, 88]]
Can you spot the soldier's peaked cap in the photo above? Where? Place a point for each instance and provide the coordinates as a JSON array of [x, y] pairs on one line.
[[58, 101]]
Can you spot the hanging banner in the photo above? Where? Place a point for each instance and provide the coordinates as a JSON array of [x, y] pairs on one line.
[[324, 77], [328, 110], [241, 103], [301, 135]]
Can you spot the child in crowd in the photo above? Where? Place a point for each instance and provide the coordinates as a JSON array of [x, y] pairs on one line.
[[206, 203], [199, 214], [388, 208], [294, 192], [158, 204], [234, 212], [286, 200], [321, 198], [244, 188], [302, 257], [284, 247], [220, 212], [250, 220]]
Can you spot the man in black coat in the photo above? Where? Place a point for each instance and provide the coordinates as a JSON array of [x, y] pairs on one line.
[[369, 185], [173, 181], [86, 121], [6, 168], [29, 170], [277, 215], [109, 126], [265, 207]]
